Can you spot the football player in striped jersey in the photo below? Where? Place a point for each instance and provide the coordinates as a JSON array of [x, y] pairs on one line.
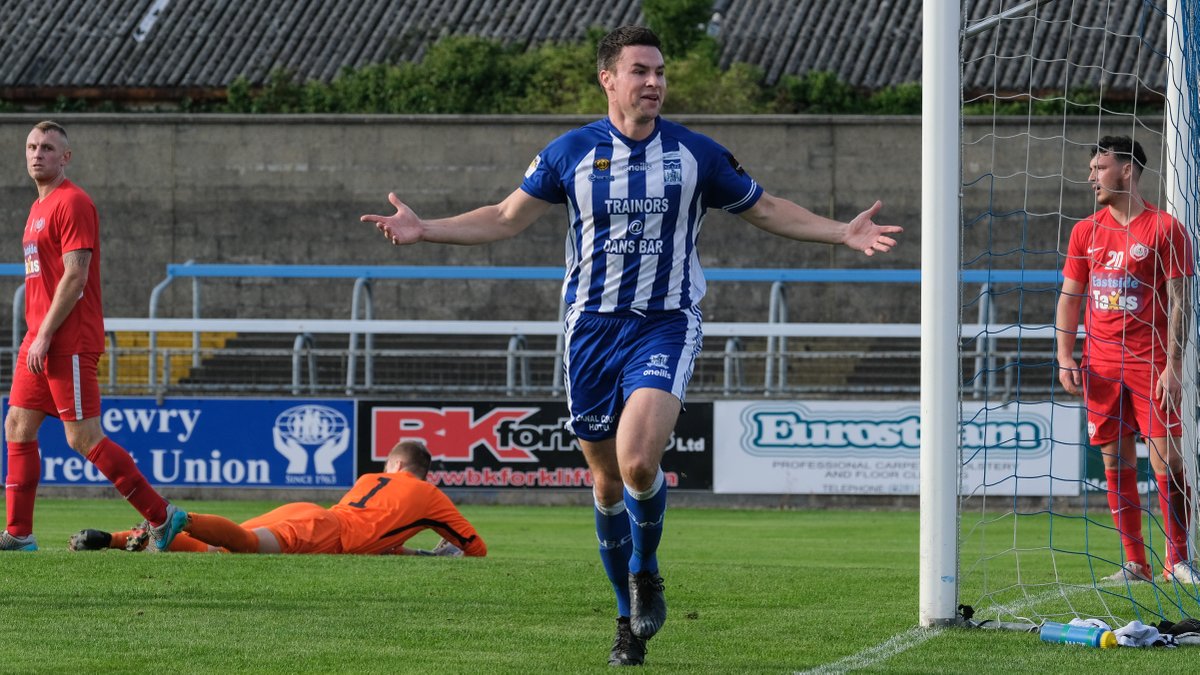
[[636, 187]]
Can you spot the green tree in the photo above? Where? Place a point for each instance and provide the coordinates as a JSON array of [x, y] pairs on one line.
[[679, 24], [471, 75], [818, 92], [561, 79], [696, 85], [899, 99]]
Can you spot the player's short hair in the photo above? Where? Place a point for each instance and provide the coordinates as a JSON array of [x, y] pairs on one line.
[[1124, 149], [51, 125], [415, 455], [626, 36]]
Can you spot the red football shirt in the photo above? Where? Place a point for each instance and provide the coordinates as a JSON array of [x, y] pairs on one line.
[[64, 221], [1125, 269]]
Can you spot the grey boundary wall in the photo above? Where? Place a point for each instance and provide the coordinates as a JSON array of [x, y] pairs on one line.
[[289, 189]]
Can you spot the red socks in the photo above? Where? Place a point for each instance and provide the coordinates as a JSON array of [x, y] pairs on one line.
[[116, 465], [20, 487], [1173, 501], [1126, 507]]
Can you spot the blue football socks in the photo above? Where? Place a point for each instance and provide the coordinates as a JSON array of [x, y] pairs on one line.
[[646, 512], [616, 547]]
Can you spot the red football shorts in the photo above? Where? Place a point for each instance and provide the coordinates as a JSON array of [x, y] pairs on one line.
[[301, 527], [67, 388], [1120, 402]]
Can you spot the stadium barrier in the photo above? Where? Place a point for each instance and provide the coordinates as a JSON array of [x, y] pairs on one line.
[[776, 330]]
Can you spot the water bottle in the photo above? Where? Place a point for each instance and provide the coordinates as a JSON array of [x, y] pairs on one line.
[[1086, 635]]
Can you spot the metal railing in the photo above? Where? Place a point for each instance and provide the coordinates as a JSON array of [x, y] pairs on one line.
[[775, 365], [517, 357], [510, 370]]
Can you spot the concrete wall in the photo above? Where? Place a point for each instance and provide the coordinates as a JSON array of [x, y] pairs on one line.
[[290, 189]]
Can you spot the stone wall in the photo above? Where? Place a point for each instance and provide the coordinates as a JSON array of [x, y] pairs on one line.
[[290, 189]]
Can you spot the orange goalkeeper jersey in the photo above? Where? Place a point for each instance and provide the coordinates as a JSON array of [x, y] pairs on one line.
[[384, 510]]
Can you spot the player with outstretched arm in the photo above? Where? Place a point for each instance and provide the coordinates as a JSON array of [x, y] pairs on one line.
[[636, 187]]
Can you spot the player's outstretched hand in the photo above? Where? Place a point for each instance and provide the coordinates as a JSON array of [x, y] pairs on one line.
[[400, 228], [864, 235]]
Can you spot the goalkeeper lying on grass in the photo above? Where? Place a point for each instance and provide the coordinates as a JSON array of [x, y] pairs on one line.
[[377, 515]]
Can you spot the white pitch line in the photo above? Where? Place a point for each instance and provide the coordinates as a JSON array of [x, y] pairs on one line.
[[918, 635], [894, 645]]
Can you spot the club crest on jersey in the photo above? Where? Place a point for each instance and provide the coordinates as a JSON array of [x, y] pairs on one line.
[[1139, 251], [601, 164], [672, 168], [39, 224]]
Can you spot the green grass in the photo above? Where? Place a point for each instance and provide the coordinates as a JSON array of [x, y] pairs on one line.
[[749, 592]]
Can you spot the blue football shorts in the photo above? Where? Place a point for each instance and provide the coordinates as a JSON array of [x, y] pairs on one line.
[[610, 355]]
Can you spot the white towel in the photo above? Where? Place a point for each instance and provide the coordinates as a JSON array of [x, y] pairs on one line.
[[1089, 623], [1138, 634]]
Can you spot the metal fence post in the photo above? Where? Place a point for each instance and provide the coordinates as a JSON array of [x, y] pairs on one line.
[[304, 341], [776, 313], [361, 295]]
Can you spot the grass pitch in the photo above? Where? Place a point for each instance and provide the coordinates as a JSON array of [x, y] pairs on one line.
[[749, 592]]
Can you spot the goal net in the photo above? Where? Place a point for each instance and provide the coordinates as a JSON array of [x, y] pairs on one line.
[[1042, 84]]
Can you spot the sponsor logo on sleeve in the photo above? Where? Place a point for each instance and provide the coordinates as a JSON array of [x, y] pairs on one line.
[[537, 161]]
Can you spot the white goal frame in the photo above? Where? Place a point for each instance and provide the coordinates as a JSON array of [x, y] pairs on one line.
[[941, 215]]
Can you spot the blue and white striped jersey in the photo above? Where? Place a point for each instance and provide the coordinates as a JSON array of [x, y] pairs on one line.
[[635, 210]]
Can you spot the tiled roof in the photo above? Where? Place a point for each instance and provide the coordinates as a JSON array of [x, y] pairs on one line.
[[203, 44]]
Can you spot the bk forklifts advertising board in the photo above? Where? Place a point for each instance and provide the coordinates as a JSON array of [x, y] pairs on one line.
[[523, 444]]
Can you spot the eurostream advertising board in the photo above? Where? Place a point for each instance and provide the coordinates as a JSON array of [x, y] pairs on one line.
[[873, 447], [217, 442]]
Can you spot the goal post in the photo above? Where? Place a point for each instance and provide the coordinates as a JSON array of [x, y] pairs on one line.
[[1015, 518], [940, 214], [1181, 116]]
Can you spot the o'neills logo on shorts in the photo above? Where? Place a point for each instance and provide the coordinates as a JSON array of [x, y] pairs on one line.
[[657, 366]]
